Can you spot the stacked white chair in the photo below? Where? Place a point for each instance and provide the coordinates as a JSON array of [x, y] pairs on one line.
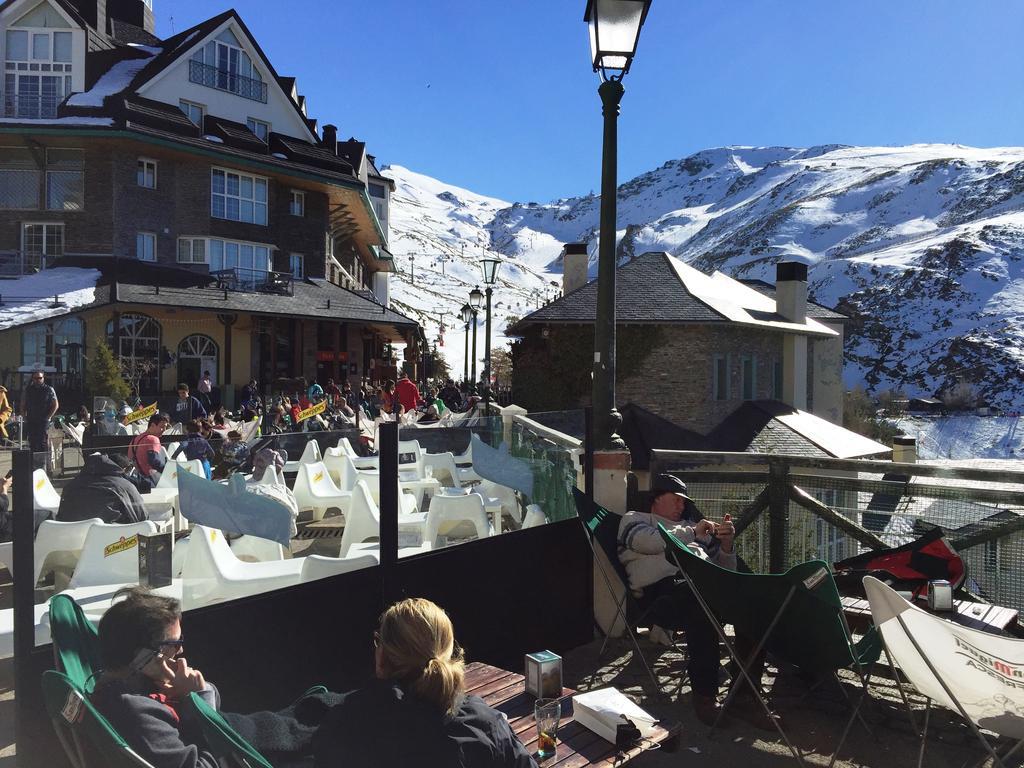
[[447, 512], [319, 567], [363, 519], [315, 490], [110, 554], [212, 573], [310, 455], [59, 545], [44, 495]]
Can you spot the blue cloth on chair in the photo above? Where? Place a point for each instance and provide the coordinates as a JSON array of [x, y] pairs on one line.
[[232, 508], [496, 465]]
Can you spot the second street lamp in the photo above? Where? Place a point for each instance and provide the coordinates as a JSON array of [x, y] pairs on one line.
[[490, 269], [467, 314], [614, 32], [476, 300]]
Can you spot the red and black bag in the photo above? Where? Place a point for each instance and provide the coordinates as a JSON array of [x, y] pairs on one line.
[[908, 568]]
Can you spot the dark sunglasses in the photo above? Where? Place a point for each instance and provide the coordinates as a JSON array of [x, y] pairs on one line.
[[177, 645]]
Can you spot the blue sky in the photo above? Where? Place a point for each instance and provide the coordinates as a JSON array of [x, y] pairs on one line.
[[498, 96]]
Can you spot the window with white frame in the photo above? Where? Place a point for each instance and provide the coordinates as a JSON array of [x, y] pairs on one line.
[[146, 175], [57, 343], [19, 179], [776, 379], [145, 246], [259, 127], [720, 377], [37, 71], [65, 179], [297, 203], [250, 261], [748, 371], [193, 111], [42, 243], [297, 265], [192, 250], [238, 196]]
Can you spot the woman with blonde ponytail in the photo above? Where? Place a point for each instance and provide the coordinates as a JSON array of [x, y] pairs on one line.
[[417, 712]]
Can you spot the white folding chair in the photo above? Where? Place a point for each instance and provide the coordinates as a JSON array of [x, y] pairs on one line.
[[973, 673], [110, 554], [58, 545], [446, 513], [534, 516], [44, 495], [315, 490], [211, 573], [363, 519], [319, 567], [310, 455]]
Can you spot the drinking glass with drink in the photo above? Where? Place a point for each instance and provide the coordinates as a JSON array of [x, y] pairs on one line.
[[547, 713]]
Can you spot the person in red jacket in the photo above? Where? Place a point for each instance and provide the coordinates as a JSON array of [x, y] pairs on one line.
[[408, 393]]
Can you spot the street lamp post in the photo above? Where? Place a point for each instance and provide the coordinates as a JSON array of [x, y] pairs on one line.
[[467, 314], [476, 300], [614, 32], [489, 267]]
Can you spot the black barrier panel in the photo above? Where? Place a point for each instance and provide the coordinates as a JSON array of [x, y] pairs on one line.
[[507, 595]]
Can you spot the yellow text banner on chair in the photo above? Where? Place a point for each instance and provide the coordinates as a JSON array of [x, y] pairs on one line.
[[313, 410], [142, 413]]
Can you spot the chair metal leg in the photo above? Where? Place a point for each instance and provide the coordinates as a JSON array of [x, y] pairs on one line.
[[903, 694], [865, 682], [924, 733]]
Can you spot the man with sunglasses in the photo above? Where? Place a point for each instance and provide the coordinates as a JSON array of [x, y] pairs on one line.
[[143, 689], [38, 405]]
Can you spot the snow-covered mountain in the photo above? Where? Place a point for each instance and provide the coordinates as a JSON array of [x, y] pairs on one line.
[[921, 244]]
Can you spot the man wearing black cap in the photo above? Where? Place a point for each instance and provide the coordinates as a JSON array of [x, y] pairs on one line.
[[658, 586]]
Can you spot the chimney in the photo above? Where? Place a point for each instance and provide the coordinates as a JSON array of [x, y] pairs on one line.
[[330, 139], [904, 449], [135, 12], [791, 304], [574, 266]]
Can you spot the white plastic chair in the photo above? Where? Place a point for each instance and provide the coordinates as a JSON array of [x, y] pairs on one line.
[[315, 489], [58, 545], [361, 462], [319, 567], [363, 519], [410, 470], [165, 492], [44, 495], [446, 512], [211, 573], [110, 554], [340, 465], [505, 496], [443, 464], [270, 477], [254, 549], [534, 516], [310, 455]]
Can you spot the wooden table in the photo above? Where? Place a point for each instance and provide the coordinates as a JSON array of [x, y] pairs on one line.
[[988, 618], [577, 746]]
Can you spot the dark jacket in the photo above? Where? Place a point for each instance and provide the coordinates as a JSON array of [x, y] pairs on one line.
[[102, 490], [164, 733], [39, 399], [381, 726]]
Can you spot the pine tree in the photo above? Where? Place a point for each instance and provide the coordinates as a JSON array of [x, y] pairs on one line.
[[103, 378]]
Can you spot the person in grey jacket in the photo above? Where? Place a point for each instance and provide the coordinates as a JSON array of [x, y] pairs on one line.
[[143, 689], [658, 587], [102, 489]]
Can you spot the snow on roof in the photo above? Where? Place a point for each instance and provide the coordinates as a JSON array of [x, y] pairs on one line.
[[31, 298], [839, 441], [738, 302], [59, 121], [114, 80]]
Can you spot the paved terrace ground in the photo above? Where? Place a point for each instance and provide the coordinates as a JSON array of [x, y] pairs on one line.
[[813, 721]]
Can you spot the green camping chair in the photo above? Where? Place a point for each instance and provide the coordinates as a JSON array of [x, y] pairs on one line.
[[603, 531], [76, 643], [88, 739], [223, 740], [797, 616]]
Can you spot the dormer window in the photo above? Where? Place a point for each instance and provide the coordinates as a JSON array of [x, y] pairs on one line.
[[260, 128], [193, 111], [222, 64], [37, 72]]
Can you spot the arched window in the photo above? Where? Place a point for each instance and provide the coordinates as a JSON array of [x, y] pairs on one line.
[[57, 344], [197, 354], [139, 350]]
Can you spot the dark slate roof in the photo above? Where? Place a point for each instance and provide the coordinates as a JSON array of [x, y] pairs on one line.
[[757, 427], [647, 290], [644, 431], [123, 32], [312, 298], [814, 310]]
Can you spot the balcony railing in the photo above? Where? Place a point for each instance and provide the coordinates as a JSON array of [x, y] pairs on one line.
[[222, 79], [29, 106], [19, 263], [254, 280]]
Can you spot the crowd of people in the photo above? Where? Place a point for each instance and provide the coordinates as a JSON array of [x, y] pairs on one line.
[[416, 712]]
